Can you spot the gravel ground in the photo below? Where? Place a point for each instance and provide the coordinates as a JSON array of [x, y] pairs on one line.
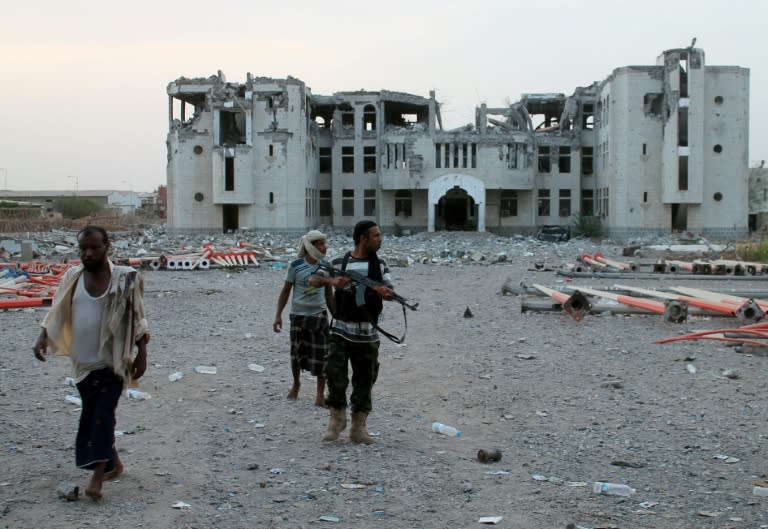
[[567, 403]]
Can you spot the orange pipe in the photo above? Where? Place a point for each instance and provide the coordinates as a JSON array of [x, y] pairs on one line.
[[590, 261], [576, 305], [23, 303], [616, 264]]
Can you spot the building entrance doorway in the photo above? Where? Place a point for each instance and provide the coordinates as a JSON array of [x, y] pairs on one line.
[[679, 217], [456, 210], [230, 217]]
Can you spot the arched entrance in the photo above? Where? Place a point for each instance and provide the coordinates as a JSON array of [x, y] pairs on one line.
[[456, 201]]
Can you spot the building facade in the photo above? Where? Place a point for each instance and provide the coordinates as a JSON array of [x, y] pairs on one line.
[[649, 150]]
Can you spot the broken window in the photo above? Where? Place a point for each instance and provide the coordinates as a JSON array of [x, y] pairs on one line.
[[369, 118], [326, 160], [403, 203], [512, 156], [395, 155], [508, 203], [652, 104], [369, 159], [587, 161], [682, 127], [405, 114], [588, 116], [347, 159], [231, 128], [544, 162], [447, 152], [564, 161], [682, 173], [543, 203], [587, 202], [326, 206], [464, 151], [369, 202], [229, 174], [564, 206], [347, 116], [437, 156], [348, 202], [473, 150]]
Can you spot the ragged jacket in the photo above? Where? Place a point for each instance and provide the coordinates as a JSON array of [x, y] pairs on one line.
[[122, 327]]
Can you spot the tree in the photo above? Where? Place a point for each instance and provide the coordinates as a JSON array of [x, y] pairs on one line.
[[75, 207]]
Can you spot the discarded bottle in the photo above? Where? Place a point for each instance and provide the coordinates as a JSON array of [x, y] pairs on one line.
[[74, 400], [206, 370], [760, 491], [612, 489], [138, 395], [173, 377], [444, 429]]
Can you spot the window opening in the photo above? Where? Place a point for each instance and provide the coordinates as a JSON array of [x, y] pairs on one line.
[[564, 162], [326, 209], [587, 163], [229, 174], [347, 202], [325, 160], [544, 161], [508, 203], [369, 159], [543, 203], [564, 205], [403, 203], [369, 202], [347, 159], [587, 202]]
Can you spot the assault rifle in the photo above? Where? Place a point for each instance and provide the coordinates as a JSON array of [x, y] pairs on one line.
[[363, 281]]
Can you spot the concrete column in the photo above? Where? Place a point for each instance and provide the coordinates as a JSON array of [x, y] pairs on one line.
[[481, 216], [170, 112]]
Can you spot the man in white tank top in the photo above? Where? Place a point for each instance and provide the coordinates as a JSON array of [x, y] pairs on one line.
[[97, 319]]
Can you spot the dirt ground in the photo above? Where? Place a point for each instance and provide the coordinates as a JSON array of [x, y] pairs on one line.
[[567, 403]]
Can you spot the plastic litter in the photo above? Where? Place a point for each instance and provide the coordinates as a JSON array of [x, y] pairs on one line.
[[444, 429], [205, 370], [138, 395]]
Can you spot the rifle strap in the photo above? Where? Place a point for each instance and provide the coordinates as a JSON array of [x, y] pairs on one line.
[[390, 336]]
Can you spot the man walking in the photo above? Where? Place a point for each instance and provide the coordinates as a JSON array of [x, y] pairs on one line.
[[354, 339], [97, 319], [309, 317]]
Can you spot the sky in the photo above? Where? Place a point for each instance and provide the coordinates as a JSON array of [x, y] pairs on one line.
[[83, 102]]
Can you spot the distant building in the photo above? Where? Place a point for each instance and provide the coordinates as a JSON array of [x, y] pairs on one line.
[[649, 150], [116, 202]]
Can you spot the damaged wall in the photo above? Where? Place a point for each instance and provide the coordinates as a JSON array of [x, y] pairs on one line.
[[649, 149]]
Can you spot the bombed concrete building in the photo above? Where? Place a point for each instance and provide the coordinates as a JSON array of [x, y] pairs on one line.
[[649, 150]]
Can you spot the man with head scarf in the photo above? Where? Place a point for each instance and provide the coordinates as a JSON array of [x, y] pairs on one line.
[[354, 339], [309, 317]]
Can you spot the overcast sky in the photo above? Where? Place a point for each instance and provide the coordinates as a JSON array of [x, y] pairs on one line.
[[83, 94]]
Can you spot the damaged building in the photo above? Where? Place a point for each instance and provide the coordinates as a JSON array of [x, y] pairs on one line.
[[649, 150]]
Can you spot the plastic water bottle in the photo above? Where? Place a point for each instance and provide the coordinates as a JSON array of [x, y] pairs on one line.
[[173, 377], [612, 489], [444, 429], [138, 395], [205, 370]]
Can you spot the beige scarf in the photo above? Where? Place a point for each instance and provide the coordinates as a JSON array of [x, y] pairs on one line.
[[307, 248]]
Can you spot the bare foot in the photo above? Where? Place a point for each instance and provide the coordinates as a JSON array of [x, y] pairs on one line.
[[294, 393], [93, 490], [320, 402], [112, 474]]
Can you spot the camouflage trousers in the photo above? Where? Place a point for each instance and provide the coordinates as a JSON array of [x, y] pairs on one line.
[[364, 359]]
